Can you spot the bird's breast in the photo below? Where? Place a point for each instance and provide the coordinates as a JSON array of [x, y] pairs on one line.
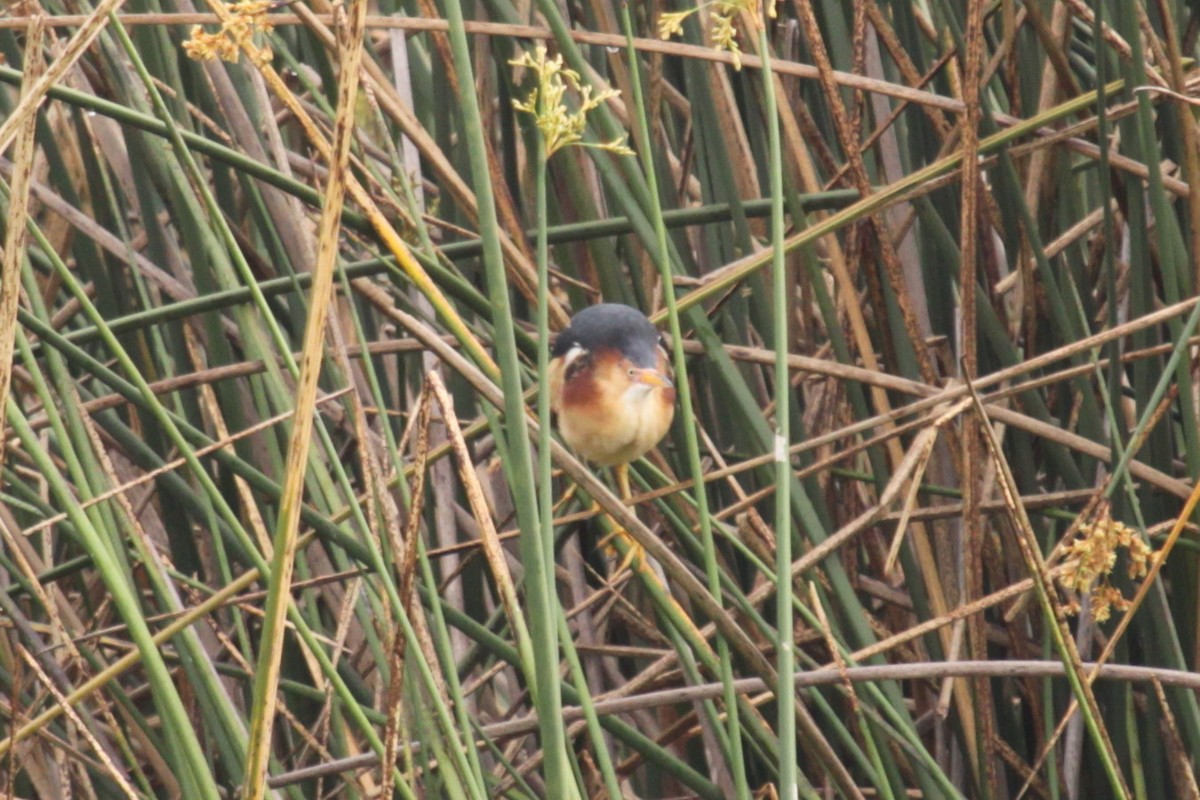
[[620, 429]]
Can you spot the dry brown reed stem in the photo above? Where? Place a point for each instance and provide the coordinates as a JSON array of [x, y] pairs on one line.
[[792, 68], [824, 676], [286, 540], [16, 233], [1044, 586]]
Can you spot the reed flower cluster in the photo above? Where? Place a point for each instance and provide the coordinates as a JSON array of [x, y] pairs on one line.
[[724, 29], [248, 18], [546, 103], [1090, 560]]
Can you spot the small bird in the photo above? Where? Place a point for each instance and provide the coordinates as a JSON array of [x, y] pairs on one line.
[[610, 386]]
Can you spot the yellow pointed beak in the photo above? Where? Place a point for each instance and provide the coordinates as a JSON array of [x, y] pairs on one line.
[[651, 377]]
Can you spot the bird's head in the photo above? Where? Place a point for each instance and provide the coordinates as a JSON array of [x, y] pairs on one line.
[[610, 384]]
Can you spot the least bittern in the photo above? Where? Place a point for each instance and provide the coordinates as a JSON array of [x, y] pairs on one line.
[[610, 387]]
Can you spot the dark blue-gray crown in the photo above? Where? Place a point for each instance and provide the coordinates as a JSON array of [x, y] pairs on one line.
[[612, 326]]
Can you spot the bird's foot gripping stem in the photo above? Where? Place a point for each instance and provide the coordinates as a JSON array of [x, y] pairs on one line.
[[619, 543]]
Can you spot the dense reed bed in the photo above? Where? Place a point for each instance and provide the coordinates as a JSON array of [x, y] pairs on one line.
[[281, 508]]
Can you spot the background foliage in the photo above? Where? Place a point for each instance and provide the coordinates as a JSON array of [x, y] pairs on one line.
[[983, 293]]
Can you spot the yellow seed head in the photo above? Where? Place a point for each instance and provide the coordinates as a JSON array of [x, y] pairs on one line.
[[670, 23], [247, 18], [546, 103], [1090, 559], [723, 29]]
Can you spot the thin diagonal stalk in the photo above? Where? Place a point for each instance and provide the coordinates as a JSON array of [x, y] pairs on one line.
[[687, 411], [542, 602]]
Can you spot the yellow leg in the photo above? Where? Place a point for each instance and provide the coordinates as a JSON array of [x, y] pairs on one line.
[[634, 554], [622, 471]]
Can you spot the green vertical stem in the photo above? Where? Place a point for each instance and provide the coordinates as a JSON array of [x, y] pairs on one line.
[[544, 683], [604, 762], [545, 467], [684, 393], [786, 659]]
